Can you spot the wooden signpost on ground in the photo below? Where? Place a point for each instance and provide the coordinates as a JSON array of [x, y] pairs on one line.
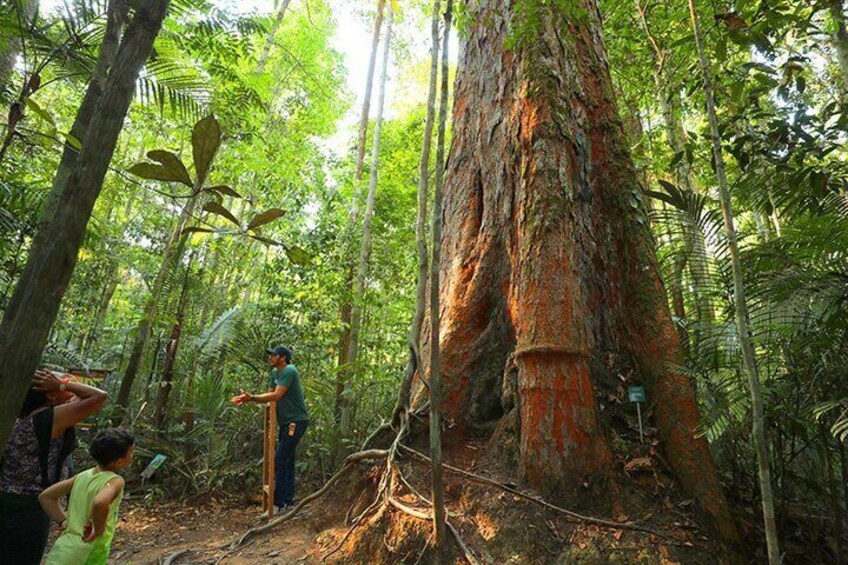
[[269, 448]]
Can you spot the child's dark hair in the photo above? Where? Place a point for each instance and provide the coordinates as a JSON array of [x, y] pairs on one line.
[[110, 444]]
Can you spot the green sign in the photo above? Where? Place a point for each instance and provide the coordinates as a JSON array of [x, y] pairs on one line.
[[636, 393], [153, 466]]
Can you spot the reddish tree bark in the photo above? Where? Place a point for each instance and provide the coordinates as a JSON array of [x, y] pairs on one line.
[[548, 268]]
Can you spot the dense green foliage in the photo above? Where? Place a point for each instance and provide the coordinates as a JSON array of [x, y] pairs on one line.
[[781, 69]]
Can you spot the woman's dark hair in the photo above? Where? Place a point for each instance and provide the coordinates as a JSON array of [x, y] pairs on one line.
[[110, 444], [34, 400]]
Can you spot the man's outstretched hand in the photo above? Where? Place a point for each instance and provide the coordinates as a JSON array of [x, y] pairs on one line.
[[241, 398]]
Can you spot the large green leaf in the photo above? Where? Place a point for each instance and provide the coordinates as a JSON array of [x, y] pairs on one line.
[[196, 229], [205, 141], [225, 190], [173, 163], [216, 208], [265, 217], [40, 112], [155, 171], [298, 256]]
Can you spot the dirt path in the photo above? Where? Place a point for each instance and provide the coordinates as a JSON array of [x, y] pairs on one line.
[[148, 532]]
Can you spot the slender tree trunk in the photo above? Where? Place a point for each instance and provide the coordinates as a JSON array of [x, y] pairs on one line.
[[547, 270], [365, 251], [170, 257], [843, 467], [840, 42], [38, 294], [369, 82], [742, 323], [414, 364], [269, 39], [341, 412], [438, 494], [154, 364], [346, 310], [166, 383], [112, 279]]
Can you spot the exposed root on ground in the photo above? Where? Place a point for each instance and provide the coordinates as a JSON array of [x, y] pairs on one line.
[[172, 557], [346, 466], [542, 502]]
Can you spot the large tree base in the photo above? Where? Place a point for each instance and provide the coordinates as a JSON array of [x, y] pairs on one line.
[[494, 519]]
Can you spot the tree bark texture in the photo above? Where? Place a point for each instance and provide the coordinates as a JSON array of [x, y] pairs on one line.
[[549, 273], [38, 294]]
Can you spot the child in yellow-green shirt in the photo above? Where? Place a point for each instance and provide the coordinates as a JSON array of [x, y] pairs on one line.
[[96, 495]]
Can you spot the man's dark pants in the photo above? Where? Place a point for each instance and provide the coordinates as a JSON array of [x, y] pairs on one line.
[[284, 462]]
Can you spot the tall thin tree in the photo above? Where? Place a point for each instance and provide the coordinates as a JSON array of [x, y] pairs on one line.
[[269, 39], [438, 494], [414, 364], [365, 250], [369, 84], [346, 309], [742, 322]]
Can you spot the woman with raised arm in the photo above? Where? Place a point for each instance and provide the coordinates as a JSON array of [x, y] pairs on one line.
[[36, 457]]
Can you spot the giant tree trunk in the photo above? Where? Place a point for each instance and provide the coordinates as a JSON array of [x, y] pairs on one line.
[[38, 294], [548, 271]]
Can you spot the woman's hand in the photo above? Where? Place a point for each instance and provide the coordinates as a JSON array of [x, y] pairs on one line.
[[46, 381]]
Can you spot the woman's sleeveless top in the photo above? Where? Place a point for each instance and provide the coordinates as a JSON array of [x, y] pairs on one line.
[[24, 461]]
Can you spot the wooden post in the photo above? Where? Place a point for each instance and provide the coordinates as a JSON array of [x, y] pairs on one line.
[[269, 448]]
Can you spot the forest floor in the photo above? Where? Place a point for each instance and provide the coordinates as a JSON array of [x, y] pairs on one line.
[[150, 532], [499, 527]]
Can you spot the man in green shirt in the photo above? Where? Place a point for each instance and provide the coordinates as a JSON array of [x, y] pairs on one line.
[[292, 417]]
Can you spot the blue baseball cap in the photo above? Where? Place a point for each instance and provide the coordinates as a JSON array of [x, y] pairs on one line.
[[281, 351]]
